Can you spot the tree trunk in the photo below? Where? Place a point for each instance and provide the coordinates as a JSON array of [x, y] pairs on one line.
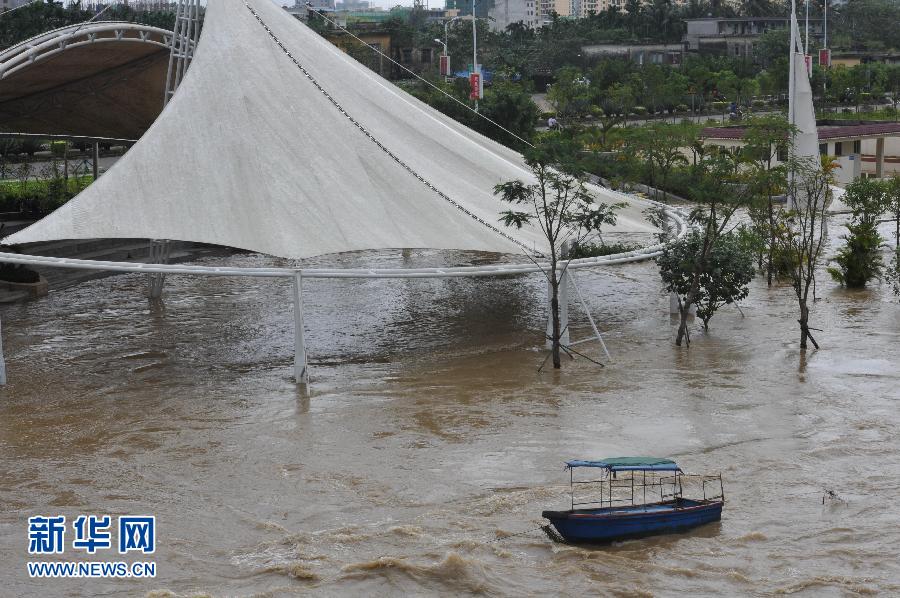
[[685, 312], [554, 310], [771, 241], [804, 321], [682, 327]]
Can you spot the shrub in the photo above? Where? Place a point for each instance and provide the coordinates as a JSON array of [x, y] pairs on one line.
[[58, 148], [639, 110], [681, 108], [598, 249], [859, 261]]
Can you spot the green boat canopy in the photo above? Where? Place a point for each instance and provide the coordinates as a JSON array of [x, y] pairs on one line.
[[628, 464]]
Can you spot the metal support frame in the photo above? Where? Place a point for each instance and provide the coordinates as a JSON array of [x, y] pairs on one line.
[[181, 52], [301, 369], [184, 40], [51, 43], [301, 364]]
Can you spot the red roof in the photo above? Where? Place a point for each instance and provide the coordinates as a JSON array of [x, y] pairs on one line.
[[825, 131]]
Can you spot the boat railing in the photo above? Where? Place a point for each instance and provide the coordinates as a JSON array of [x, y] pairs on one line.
[[637, 487]]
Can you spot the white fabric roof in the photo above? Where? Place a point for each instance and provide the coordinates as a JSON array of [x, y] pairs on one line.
[[251, 153], [801, 112]]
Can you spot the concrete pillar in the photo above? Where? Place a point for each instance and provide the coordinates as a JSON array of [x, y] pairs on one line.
[[563, 310], [301, 365], [2, 363], [879, 157]]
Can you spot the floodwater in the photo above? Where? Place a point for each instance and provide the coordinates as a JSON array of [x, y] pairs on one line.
[[429, 437]]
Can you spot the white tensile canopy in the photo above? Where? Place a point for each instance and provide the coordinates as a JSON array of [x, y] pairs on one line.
[[801, 112], [298, 151]]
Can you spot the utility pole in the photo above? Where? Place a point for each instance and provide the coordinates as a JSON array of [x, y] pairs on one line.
[[475, 68]]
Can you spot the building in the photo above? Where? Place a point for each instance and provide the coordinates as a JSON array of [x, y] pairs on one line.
[[737, 36], [464, 7], [506, 12], [864, 149], [672, 54]]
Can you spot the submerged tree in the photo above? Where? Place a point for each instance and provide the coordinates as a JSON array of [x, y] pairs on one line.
[[859, 260], [559, 204], [724, 275], [720, 189], [801, 232], [766, 138], [892, 206]]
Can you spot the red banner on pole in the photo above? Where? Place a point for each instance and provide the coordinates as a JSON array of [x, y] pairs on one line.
[[445, 66], [825, 57], [474, 85]]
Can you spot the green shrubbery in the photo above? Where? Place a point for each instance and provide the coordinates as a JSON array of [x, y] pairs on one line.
[[39, 197], [599, 249]]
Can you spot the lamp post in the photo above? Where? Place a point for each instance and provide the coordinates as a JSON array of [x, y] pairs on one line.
[[475, 69], [446, 42]]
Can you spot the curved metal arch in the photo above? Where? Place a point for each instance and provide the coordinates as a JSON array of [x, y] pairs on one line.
[[54, 42]]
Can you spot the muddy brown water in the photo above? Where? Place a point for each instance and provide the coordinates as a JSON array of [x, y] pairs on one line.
[[428, 434]]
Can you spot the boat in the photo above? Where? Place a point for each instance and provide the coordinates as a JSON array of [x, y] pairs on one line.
[[634, 497]]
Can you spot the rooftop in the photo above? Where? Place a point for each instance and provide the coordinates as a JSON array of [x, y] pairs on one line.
[[825, 131]]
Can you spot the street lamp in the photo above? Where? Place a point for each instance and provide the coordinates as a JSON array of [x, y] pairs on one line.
[[445, 42], [475, 69]]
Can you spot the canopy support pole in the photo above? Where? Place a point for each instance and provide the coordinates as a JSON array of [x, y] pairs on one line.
[[159, 254], [563, 310], [2, 363], [301, 365]]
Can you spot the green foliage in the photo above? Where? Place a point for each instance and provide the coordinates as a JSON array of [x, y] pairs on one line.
[[570, 94], [658, 150], [507, 103], [38, 197], [583, 250], [859, 260], [40, 17], [559, 205], [725, 271]]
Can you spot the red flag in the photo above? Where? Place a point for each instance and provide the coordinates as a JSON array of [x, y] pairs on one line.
[[474, 83]]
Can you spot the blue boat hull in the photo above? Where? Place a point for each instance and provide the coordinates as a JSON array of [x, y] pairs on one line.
[[618, 523]]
